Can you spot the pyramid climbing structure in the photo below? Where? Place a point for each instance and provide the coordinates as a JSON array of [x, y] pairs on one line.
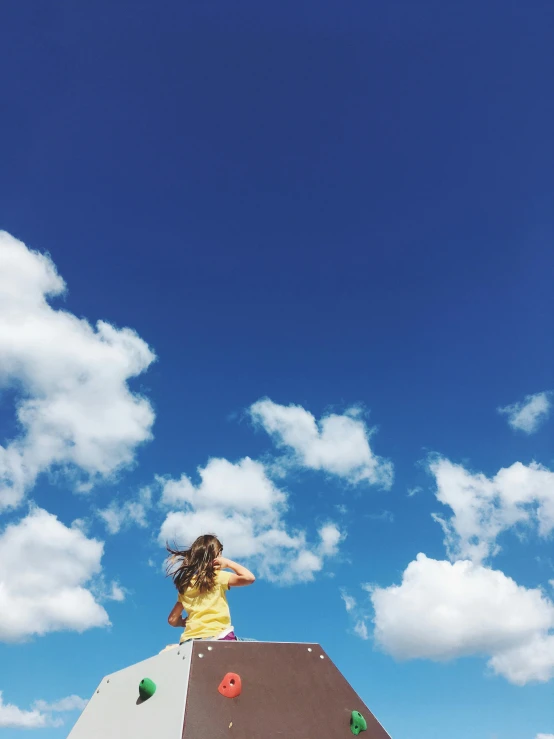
[[229, 690]]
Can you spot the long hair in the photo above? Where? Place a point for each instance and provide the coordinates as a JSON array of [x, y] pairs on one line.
[[195, 563]]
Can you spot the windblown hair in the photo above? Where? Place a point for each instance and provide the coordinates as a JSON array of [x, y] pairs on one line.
[[194, 564]]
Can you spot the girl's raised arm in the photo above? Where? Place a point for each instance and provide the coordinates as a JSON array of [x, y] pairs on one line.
[[241, 575]]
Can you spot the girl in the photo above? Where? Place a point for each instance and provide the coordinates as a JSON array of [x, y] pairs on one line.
[[198, 574]]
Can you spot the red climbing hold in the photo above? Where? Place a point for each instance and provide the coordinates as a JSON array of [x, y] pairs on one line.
[[230, 686]]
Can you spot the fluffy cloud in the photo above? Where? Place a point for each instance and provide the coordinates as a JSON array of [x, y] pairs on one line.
[[337, 444], [531, 661], [243, 487], [74, 407], [485, 507], [118, 516], [544, 736], [44, 570], [243, 506], [443, 610], [40, 716], [530, 413]]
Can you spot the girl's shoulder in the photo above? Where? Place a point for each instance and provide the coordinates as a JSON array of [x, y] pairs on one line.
[[222, 577]]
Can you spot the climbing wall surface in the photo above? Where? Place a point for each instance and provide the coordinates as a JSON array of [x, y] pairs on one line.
[[116, 709], [288, 691], [231, 690]]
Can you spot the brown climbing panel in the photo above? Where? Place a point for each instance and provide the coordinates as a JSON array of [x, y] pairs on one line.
[[289, 691]]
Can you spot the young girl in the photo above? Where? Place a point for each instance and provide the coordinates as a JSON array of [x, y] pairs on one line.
[[202, 583]]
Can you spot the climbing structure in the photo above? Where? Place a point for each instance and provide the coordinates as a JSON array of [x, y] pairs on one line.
[[228, 690]]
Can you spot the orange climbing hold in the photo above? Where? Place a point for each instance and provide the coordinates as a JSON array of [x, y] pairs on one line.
[[231, 685]]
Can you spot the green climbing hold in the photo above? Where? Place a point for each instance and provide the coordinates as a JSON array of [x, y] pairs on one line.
[[357, 723], [147, 688]]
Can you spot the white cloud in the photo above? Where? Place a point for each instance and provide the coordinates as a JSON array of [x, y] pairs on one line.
[[544, 736], [360, 629], [485, 507], [243, 486], [357, 615], [445, 610], [385, 516], [531, 661], [117, 593], [243, 506], [40, 716], [349, 601], [337, 444], [83, 524], [74, 408], [64, 705], [118, 516], [44, 570], [530, 413], [330, 539], [102, 591], [12, 717]]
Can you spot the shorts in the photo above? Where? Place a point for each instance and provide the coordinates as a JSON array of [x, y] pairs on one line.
[[228, 637]]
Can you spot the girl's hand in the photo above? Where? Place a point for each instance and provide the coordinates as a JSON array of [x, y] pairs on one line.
[[220, 563]]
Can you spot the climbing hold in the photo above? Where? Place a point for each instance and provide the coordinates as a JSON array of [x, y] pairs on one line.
[[147, 688], [231, 685], [357, 723]]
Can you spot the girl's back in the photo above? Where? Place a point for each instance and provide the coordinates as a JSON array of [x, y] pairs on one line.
[[202, 583], [208, 613]]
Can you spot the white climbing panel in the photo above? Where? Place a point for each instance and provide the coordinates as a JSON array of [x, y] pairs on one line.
[[115, 711]]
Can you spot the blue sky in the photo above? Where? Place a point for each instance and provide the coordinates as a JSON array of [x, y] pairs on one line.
[[318, 238]]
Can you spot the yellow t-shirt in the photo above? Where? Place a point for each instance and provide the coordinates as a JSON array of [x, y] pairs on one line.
[[207, 613]]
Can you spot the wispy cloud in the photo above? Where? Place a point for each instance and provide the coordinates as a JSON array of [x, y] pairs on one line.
[[40, 715], [349, 601], [528, 414], [357, 615], [119, 516], [385, 516], [13, 717], [361, 630], [71, 703]]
